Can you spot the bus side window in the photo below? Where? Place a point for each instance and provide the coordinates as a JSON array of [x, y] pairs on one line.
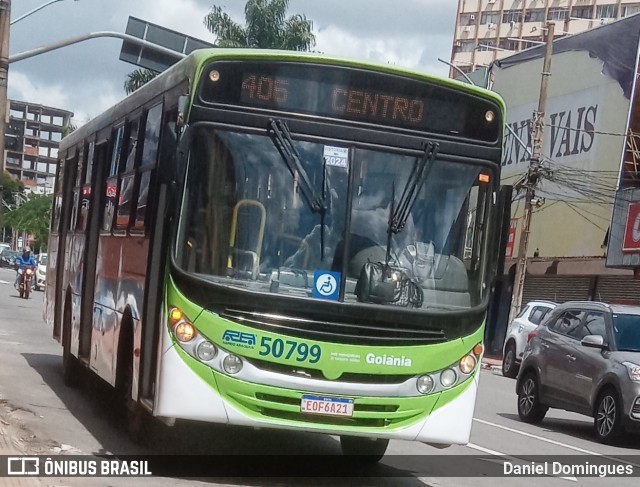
[[147, 165], [77, 190], [57, 202], [128, 180], [111, 188], [72, 164], [85, 198]]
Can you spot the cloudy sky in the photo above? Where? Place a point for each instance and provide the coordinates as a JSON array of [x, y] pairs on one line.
[[87, 78]]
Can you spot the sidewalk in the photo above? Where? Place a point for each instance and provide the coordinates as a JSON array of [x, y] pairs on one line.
[[491, 364], [9, 445]]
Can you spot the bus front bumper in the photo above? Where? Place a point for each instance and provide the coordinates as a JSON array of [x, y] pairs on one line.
[[196, 392]]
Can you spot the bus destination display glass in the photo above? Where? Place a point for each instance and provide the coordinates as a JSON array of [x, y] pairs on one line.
[[347, 94]]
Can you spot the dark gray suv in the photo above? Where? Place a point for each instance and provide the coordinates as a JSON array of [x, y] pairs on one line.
[[585, 357]]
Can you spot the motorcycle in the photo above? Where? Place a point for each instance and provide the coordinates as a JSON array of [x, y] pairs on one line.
[[25, 282]]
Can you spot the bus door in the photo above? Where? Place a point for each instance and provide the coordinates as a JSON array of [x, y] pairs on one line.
[[94, 202]]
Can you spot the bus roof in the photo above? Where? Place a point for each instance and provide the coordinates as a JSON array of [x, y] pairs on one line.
[[191, 68]]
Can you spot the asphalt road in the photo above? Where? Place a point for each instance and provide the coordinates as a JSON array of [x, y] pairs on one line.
[[49, 418]]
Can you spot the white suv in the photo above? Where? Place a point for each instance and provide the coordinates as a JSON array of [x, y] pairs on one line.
[[515, 342], [41, 272]]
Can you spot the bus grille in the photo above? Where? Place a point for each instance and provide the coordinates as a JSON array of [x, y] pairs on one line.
[[330, 331], [358, 378], [364, 415]]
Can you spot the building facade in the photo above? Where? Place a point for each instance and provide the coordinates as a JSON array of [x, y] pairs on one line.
[[32, 139], [588, 153], [487, 30]]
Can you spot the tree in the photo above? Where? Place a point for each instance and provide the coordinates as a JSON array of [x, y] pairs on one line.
[[67, 129], [33, 217], [10, 186], [138, 78], [267, 27]]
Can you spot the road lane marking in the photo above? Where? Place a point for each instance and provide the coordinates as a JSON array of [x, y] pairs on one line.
[[554, 442], [4, 282], [505, 456]]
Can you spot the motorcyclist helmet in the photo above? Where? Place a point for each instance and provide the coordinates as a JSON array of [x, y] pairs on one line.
[[26, 250]]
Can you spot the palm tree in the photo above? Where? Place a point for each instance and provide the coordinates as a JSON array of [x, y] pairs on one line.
[[138, 78], [267, 27]]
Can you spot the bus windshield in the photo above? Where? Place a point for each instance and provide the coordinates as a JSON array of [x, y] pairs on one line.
[[246, 223]]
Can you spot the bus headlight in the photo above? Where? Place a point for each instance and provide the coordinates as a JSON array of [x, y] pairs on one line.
[[232, 364], [448, 378], [467, 364], [206, 351], [185, 331], [425, 384]]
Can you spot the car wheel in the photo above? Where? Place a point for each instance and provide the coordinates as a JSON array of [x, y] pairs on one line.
[[509, 365], [607, 421], [530, 409]]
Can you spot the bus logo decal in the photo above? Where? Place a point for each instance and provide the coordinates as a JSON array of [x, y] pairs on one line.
[[239, 338]]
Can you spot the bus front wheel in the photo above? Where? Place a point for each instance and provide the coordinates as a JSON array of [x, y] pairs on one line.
[[369, 450]]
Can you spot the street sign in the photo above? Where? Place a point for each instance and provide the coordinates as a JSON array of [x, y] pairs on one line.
[[631, 242], [148, 58]]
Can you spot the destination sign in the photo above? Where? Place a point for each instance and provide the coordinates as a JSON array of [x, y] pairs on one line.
[[354, 95]]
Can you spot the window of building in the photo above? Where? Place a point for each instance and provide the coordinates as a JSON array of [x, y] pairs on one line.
[[486, 45], [490, 18], [558, 13], [468, 19], [511, 16], [57, 136], [606, 11], [630, 10], [464, 46], [534, 15], [508, 44], [582, 12]]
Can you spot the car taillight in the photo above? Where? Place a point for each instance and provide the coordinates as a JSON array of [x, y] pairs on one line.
[[531, 335]]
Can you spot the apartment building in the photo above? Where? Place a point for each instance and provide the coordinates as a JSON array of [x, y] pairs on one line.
[[33, 136], [487, 30]]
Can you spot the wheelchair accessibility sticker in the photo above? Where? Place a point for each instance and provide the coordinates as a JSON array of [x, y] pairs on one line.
[[326, 285]]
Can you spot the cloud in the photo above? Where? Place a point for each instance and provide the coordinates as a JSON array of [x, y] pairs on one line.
[[22, 88]]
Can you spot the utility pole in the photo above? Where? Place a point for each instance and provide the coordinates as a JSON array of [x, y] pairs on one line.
[[5, 14], [533, 174]]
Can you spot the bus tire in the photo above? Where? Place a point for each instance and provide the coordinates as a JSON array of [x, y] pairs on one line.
[[71, 372], [136, 420], [367, 450]]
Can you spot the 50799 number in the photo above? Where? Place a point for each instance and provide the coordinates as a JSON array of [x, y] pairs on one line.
[[287, 348]]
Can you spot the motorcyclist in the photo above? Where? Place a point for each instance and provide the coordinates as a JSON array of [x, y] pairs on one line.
[[22, 262]]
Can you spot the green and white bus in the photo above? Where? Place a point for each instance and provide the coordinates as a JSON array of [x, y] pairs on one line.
[[283, 240]]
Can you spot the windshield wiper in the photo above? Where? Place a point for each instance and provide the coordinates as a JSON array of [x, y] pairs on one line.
[[282, 140], [412, 188], [399, 214]]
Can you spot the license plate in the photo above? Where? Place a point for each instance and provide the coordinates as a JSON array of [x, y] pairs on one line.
[[329, 406]]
